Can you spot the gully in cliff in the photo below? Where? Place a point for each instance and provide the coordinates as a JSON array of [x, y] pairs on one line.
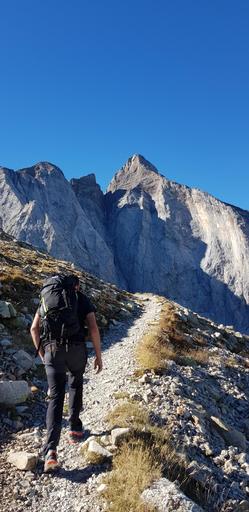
[[58, 335]]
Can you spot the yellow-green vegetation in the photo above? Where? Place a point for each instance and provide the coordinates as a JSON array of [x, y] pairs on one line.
[[142, 458], [192, 357], [167, 340], [148, 454], [65, 409], [134, 469], [119, 395], [128, 414], [24, 268], [93, 458]]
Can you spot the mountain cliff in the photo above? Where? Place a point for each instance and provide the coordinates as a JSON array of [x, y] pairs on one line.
[[146, 233], [38, 206], [180, 242]]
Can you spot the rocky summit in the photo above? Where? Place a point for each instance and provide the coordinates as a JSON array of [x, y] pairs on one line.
[[146, 234]]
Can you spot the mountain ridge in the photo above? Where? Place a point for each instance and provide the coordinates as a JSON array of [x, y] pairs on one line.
[[145, 234], [45, 163]]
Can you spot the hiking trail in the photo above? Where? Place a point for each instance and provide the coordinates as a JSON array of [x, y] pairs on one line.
[[74, 487]]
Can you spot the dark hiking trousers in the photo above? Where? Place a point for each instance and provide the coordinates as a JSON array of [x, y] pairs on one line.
[[58, 360]]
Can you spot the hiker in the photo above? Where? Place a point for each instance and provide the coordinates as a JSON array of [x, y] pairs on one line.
[[61, 347]]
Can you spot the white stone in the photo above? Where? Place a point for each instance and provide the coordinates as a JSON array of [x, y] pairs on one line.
[[144, 379], [23, 460], [98, 449], [217, 334], [86, 443], [13, 392], [105, 439], [119, 434], [101, 488], [167, 497]]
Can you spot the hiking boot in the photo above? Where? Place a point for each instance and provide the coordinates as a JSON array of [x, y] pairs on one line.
[[75, 436], [51, 463]]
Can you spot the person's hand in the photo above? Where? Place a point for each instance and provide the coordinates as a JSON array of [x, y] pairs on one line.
[[98, 365]]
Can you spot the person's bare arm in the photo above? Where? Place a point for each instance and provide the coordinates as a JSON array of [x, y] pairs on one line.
[[35, 333], [95, 337]]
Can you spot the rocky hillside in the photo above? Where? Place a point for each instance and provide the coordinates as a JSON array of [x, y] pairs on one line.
[[23, 270], [146, 234], [175, 381]]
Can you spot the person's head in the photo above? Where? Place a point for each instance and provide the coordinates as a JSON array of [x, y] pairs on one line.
[[73, 281], [76, 283]]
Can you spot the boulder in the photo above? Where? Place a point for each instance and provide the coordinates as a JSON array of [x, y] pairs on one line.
[[23, 460], [6, 309], [23, 360], [232, 436], [166, 497], [13, 392], [118, 435], [95, 447]]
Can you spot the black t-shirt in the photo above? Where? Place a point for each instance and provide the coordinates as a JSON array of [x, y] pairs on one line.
[[84, 308]]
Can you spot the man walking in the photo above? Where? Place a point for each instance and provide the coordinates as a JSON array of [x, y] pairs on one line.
[[59, 356]]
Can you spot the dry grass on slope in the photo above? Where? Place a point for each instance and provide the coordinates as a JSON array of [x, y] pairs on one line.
[[24, 269], [139, 461], [128, 414], [147, 454], [134, 469], [166, 341]]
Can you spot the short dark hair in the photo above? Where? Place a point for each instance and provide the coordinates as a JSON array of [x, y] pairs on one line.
[[72, 280]]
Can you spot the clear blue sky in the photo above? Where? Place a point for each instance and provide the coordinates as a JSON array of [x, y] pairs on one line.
[[87, 83]]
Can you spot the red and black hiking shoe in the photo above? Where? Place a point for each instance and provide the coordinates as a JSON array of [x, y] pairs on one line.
[[75, 436], [51, 464]]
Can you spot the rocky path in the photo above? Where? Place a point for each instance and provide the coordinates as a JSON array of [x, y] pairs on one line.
[[74, 488]]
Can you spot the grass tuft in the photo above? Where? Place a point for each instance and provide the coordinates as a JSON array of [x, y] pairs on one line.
[[167, 341], [128, 414], [134, 469], [119, 395]]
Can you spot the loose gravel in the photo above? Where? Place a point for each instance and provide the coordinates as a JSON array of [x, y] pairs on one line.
[[74, 488]]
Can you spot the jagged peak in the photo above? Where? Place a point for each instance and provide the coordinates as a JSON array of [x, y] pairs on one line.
[[89, 179], [136, 170], [37, 169], [139, 160]]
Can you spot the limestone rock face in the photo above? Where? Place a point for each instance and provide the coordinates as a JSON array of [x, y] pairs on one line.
[[180, 242], [92, 201], [146, 234], [38, 206]]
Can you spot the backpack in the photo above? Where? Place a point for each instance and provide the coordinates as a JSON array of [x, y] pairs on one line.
[[59, 308]]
